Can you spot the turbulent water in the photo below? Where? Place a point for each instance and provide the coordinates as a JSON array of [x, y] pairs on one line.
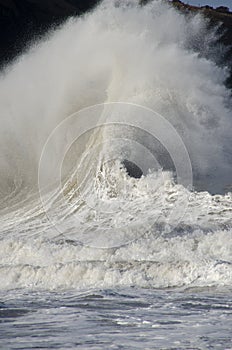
[[85, 248]]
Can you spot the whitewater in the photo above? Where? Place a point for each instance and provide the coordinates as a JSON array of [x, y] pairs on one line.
[[91, 255]]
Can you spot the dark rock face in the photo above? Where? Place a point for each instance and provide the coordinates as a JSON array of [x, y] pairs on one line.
[[219, 16], [22, 20], [222, 9]]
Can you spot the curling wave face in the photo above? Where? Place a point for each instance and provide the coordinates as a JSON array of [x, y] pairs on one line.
[[141, 244], [71, 216]]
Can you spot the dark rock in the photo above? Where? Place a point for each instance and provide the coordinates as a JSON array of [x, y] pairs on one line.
[[206, 7], [222, 9], [22, 21], [216, 18]]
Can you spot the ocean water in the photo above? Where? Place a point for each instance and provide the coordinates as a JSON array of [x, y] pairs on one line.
[[117, 319], [90, 256]]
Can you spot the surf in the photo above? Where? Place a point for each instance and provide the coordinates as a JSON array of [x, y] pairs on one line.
[[115, 150]]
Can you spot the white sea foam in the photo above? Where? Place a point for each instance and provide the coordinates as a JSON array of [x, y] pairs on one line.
[[103, 228]]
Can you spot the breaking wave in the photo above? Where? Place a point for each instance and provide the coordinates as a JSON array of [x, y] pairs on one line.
[[124, 87]]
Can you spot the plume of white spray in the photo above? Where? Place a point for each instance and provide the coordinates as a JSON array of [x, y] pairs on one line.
[[125, 52]]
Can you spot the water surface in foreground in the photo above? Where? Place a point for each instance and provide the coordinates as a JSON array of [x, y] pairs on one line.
[[117, 319]]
